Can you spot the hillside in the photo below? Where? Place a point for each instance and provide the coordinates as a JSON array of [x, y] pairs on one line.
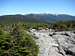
[[45, 18]]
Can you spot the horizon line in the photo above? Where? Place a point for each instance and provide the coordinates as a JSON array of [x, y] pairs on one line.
[[38, 13]]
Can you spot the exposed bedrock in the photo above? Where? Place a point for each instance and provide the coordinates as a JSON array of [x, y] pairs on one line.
[[55, 43]]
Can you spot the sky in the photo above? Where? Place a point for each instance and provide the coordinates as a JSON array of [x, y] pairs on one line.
[[8, 7]]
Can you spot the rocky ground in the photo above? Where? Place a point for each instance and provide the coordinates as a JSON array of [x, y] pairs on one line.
[[55, 43]]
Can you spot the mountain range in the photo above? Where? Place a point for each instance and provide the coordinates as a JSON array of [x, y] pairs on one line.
[[42, 18]]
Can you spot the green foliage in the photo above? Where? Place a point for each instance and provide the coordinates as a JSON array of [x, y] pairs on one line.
[[17, 43], [64, 25], [27, 26]]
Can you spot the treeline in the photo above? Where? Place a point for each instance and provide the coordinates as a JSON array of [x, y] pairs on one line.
[[64, 25], [58, 25]]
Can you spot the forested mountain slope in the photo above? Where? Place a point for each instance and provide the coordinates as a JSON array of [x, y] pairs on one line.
[[45, 18]]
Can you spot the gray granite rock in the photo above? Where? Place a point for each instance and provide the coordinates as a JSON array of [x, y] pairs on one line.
[[58, 44]]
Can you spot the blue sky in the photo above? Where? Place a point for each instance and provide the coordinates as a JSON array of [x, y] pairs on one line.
[[37, 6]]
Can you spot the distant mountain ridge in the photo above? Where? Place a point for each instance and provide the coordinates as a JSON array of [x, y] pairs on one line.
[[44, 18]]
